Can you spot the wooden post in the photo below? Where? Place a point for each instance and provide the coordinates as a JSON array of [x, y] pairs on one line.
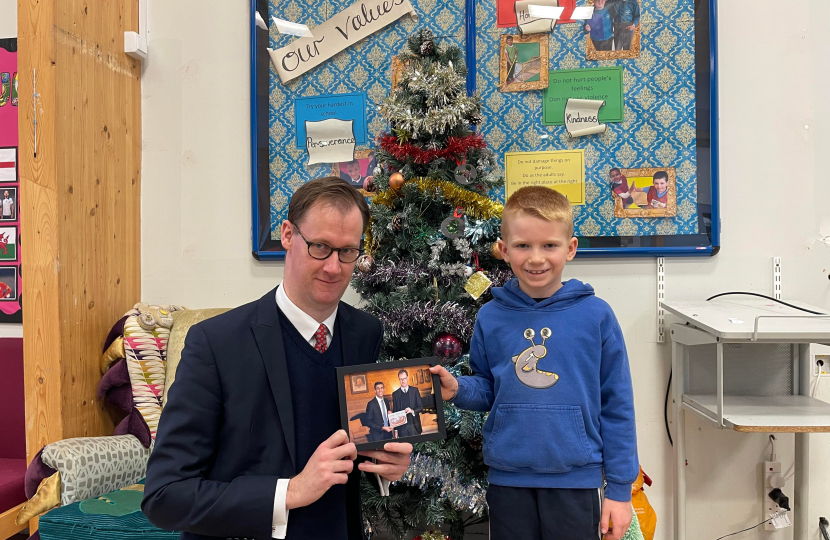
[[80, 167]]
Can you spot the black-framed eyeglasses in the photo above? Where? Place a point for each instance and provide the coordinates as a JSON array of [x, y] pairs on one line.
[[322, 252]]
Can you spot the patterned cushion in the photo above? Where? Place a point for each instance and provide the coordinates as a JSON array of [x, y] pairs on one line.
[[146, 352], [182, 321], [113, 516], [90, 466]]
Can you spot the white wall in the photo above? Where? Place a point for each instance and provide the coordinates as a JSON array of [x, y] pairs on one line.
[[196, 215], [8, 19]]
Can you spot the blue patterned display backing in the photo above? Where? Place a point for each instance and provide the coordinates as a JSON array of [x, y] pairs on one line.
[[658, 131], [364, 67]]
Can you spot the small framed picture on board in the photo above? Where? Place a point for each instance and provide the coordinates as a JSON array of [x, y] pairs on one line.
[[645, 192], [613, 31], [391, 401], [359, 172], [523, 62]]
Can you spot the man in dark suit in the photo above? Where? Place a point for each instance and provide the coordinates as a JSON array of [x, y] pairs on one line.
[[408, 398], [377, 416], [251, 429]]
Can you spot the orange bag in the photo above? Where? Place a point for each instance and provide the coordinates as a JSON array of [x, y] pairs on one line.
[[645, 513]]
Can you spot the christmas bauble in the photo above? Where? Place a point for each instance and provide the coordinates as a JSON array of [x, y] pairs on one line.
[[377, 170], [495, 251], [447, 348], [396, 180], [365, 263], [465, 174], [476, 119], [397, 223], [468, 271], [369, 184]]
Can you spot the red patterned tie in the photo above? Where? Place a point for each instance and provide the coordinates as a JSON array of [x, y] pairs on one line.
[[320, 338]]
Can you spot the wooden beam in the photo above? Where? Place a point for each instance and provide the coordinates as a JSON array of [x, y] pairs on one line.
[[80, 207], [8, 528]]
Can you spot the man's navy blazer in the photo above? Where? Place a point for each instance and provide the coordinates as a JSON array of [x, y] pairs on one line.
[[374, 420], [227, 432]]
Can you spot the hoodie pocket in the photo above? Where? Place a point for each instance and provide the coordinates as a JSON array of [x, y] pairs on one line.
[[537, 438]]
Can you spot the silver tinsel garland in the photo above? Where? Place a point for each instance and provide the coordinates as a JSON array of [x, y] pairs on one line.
[[425, 470]]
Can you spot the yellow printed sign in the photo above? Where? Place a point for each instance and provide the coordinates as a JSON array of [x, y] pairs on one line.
[[562, 170]]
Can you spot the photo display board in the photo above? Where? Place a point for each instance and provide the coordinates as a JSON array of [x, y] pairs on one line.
[[643, 182]]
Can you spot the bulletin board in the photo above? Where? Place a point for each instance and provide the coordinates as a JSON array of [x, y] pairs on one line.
[[11, 299], [669, 112]]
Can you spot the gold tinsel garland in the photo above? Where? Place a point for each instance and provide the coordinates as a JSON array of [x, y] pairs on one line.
[[475, 205]]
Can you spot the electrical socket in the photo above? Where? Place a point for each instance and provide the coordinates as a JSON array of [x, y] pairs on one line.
[[772, 479], [825, 369]]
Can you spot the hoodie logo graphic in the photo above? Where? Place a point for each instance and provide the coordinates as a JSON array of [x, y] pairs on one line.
[[526, 361]]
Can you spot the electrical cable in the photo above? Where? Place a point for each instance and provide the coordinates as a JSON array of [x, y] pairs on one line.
[[744, 530], [772, 442], [666, 409], [768, 298]]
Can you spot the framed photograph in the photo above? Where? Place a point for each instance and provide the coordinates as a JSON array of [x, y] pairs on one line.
[[8, 204], [357, 381], [613, 31], [8, 165], [8, 244], [523, 62], [391, 401], [8, 283], [359, 172], [645, 192]]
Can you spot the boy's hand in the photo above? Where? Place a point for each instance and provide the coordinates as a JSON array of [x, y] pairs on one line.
[[620, 515], [449, 386]]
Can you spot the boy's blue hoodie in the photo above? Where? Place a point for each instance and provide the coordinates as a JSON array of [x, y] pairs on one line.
[[555, 376]]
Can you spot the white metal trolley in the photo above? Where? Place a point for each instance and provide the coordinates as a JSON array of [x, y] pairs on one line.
[[743, 363]]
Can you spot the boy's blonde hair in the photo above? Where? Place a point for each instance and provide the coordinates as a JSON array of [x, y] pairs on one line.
[[541, 202]]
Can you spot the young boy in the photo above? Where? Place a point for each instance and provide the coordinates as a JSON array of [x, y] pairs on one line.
[[620, 187], [550, 364], [600, 27], [625, 22], [658, 194]]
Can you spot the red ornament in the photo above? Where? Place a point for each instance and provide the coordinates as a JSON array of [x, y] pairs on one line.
[[396, 180], [369, 184], [447, 348]]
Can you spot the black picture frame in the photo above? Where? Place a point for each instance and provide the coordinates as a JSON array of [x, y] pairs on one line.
[[343, 380]]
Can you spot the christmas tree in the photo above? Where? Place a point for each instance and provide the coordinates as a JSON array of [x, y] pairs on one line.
[[429, 266]]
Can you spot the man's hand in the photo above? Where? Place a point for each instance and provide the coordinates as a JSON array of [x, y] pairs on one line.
[[449, 385], [587, 27], [409, 411], [330, 464], [620, 515], [392, 461], [632, 27], [387, 428]]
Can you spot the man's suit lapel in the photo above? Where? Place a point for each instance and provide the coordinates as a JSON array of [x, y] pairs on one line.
[[268, 335]]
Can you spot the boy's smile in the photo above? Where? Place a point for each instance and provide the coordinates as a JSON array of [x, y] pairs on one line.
[[537, 251]]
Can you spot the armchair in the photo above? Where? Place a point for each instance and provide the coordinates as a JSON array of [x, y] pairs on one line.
[[91, 487]]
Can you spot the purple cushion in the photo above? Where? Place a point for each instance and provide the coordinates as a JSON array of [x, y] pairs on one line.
[[115, 388], [134, 425], [36, 473], [12, 474], [117, 330]]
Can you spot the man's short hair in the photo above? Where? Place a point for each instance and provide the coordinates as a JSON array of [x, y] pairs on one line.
[[379, 383], [331, 191], [661, 174], [541, 202], [404, 372]]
